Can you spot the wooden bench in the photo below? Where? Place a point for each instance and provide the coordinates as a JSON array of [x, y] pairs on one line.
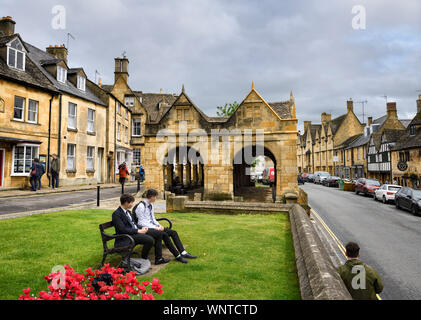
[[118, 250]]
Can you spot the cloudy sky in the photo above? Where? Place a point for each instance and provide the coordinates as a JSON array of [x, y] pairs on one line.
[[217, 47]]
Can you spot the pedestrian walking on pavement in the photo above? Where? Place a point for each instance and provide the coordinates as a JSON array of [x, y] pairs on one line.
[[37, 170], [142, 173], [361, 280], [54, 170], [123, 172]]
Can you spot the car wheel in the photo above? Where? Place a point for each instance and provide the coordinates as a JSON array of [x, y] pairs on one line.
[[414, 210], [384, 200]]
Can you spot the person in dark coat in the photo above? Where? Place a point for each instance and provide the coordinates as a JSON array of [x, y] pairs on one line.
[[54, 170], [37, 170], [123, 224]]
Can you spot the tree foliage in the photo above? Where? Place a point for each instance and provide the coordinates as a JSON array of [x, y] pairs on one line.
[[227, 110]]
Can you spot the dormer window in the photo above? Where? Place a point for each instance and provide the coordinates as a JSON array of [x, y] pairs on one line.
[[61, 74], [412, 130], [129, 101], [81, 82], [16, 55]]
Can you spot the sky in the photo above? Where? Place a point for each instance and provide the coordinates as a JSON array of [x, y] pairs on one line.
[[216, 48]]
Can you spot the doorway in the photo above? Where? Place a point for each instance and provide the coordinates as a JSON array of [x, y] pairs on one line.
[[99, 165]]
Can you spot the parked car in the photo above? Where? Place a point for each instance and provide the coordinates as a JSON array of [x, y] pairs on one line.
[[331, 181], [268, 176], [386, 193], [310, 177], [300, 179], [409, 199], [366, 186], [320, 176], [304, 176]]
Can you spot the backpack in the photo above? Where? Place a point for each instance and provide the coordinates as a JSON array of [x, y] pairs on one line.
[[134, 216]]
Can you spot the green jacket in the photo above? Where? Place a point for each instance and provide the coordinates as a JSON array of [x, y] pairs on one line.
[[55, 165], [373, 283]]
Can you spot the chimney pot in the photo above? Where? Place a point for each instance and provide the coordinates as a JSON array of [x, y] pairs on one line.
[[60, 52], [370, 121], [7, 26]]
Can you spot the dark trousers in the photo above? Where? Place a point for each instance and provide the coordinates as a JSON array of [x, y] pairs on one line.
[[147, 242], [54, 179], [35, 182], [166, 236]]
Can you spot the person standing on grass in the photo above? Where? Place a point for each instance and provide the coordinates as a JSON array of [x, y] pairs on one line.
[[37, 170], [146, 218], [123, 224], [54, 170], [123, 172], [361, 280]]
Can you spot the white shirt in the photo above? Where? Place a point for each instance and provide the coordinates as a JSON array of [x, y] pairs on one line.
[[146, 216]]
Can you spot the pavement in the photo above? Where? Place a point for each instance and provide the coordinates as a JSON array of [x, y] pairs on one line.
[[389, 238]]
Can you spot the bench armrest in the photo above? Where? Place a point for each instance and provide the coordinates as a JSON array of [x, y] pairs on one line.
[[166, 219], [116, 236]]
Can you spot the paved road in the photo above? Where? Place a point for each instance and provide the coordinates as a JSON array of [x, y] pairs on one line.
[[390, 239], [56, 200]]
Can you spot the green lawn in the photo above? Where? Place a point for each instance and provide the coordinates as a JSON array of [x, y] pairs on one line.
[[239, 257]]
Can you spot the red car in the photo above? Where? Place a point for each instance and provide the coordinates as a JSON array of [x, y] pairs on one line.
[[366, 186], [269, 176]]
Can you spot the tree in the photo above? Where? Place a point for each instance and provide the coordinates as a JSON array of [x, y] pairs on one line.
[[227, 110]]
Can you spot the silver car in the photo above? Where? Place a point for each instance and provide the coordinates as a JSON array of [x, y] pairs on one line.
[[320, 176]]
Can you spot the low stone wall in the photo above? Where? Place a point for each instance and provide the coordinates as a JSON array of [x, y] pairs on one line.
[[318, 277]]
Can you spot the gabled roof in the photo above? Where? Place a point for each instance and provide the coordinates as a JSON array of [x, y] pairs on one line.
[[348, 141], [38, 56], [407, 141], [391, 136], [336, 123], [405, 122], [156, 104], [416, 120], [361, 140], [32, 75]]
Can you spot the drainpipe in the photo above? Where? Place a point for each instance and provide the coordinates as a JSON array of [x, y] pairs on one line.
[[115, 138], [49, 141], [59, 128]]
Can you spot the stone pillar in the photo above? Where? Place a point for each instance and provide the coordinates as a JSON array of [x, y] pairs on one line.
[[195, 177], [180, 171], [188, 174], [169, 172], [200, 174]]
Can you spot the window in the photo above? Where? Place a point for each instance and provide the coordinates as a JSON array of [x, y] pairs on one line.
[[127, 114], [136, 126], [129, 101], [136, 157], [61, 74], [33, 111], [412, 130], [81, 82], [71, 121], [118, 108], [118, 131], [23, 156], [71, 152], [16, 55], [91, 120], [90, 158], [125, 134], [18, 113]]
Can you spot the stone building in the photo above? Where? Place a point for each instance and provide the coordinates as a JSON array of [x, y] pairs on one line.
[[48, 107], [216, 172], [406, 153], [320, 147], [28, 125]]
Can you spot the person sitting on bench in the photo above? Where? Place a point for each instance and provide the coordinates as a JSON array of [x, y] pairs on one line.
[[124, 224], [146, 218]]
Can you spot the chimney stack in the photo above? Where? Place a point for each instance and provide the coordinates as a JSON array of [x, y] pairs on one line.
[[121, 68], [307, 124], [60, 52], [350, 105], [391, 110], [419, 104], [7, 26], [370, 121], [325, 117]]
